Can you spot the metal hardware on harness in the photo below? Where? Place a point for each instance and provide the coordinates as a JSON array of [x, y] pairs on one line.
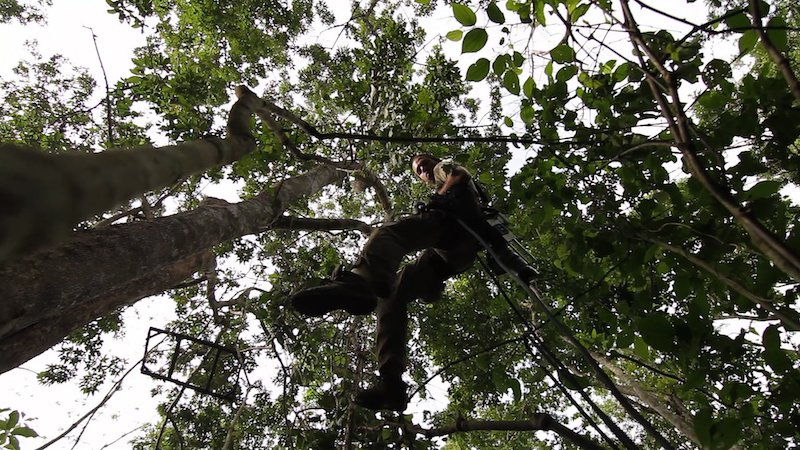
[[216, 363], [499, 222]]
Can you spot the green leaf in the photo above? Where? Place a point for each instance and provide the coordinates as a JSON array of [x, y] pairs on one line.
[[727, 432], [763, 189], [773, 354], [474, 40], [657, 331], [776, 32], [566, 73], [578, 12], [738, 21], [494, 13], [548, 69], [13, 419], [563, 54], [539, 7], [499, 65], [748, 41], [517, 59], [622, 72], [527, 114], [511, 82], [454, 35], [479, 70], [508, 122], [625, 338], [516, 389], [24, 432], [640, 348], [528, 86], [464, 15], [702, 426], [13, 442]]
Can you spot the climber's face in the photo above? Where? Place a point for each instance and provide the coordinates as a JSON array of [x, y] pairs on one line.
[[423, 168]]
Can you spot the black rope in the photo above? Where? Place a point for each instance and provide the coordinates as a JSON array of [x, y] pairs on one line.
[[550, 358], [623, 401]]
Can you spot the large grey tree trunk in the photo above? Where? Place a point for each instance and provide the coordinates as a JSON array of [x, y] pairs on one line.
[[44, 195], [82, 279]]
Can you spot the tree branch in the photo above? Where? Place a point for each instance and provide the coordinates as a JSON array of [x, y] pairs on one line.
[[781, 255], [114, 389], [739, 288], [538, 422], [777, 57], [53, 192], [313, 224]]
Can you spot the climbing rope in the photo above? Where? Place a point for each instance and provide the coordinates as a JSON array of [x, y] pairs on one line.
[[564, 331]]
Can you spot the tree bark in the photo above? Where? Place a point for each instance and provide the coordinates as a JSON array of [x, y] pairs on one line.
[[44, 195], [81, 277], [629, 386], [31, 341]]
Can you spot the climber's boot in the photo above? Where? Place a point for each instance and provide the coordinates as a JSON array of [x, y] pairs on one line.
[[345, 290], [389, 393]]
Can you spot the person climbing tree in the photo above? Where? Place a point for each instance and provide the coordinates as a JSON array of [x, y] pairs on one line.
[[374, 281]]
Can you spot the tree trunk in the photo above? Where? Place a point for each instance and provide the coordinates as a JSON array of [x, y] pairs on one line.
[[44, 195], [81, 277], [31, 341]]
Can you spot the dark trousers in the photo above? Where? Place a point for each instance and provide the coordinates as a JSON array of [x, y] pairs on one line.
[[448, 250]]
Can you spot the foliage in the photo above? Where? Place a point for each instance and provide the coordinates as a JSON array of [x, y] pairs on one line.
[[638, 255], [23, 13], [13, 427]]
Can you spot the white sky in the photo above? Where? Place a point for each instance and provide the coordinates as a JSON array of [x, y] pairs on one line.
[[52, 409]]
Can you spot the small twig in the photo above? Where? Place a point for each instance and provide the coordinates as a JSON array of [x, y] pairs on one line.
[[765, 303], [171, 418], [122, 437], [109, 118], [232, 427], [114, 389], [462, 359], [167, 413], [540, 421]]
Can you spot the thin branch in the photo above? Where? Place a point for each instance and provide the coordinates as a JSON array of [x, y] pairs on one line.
[[122, 437], [109, 118], [371, 179], [171, 418], [464, 358], [742, 290], [232, 427], [784, 257], [167, 413], [538, 422], [114, 389], [777, 57], [746, 317]]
